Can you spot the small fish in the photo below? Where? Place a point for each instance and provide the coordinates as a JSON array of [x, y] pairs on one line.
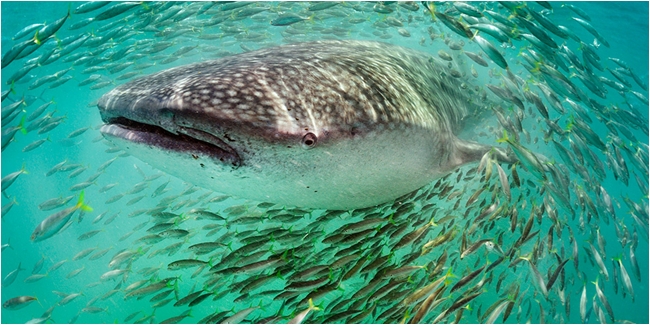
[[453, 24], [26, 31], [199, 299], [11, 178], [116, 10], [38, 265], [74, 273], [177, 319], [411, 237], [8, 244], [539, 280], [493, 31], [599, 261], [491, 51], [626, 277], [186, 263], [505, 184], [88, 235], [591, 30], [18, 302], [113, 274], [94, 310], [89, 6], [444, 55], [556, 273], [53, 223], [107, 187], [11, 276], [69, 298], [46, 31], [35, 277], [239, 316], [476, 58], [56, 266], [466, 279], [287, 19], [78, 132], [187, 299], [604, 301], [496, 312], [471, 249]]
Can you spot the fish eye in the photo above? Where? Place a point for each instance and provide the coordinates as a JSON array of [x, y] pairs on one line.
[[309, 140]]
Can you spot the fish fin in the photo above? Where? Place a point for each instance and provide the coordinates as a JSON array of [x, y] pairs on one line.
[[466, 152], [504, 138], [81, 205], [35, 39], [391, 220], [406, 317], [312, 306], [23, 130], [23, 170]]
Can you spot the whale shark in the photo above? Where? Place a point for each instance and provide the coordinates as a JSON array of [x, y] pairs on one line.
[[327, 124]]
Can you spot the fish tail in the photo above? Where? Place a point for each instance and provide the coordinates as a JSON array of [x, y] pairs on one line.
[[312, 306], [35, 39], [81, 205], [504, 138], [285, 256], [448, 276], [261, 305], [407, 315], [23, 169], [23, 130], [433, 222], [391, 220], [432, 9], [570, 123]]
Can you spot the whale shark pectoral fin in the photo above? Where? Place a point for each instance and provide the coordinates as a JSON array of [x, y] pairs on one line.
[[468, 151]]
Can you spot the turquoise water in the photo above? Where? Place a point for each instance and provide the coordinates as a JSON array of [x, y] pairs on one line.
[[623, 24]]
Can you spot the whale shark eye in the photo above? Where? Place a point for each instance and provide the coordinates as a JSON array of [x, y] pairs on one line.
[[309, 140]]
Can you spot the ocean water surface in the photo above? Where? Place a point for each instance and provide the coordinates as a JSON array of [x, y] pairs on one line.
[[570, 246]]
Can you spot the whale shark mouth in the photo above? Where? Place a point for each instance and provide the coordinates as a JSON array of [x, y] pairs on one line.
[[187, 140]]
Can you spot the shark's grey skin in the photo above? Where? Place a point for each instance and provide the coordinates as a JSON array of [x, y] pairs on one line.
[[329, 124]]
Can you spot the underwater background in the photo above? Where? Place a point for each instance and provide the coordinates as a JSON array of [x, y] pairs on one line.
[[125, 193]]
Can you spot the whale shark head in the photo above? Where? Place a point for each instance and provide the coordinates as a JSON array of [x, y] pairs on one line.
[[331, 124]]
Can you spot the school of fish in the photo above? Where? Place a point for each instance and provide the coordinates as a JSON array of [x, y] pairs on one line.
[[527, 240]]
